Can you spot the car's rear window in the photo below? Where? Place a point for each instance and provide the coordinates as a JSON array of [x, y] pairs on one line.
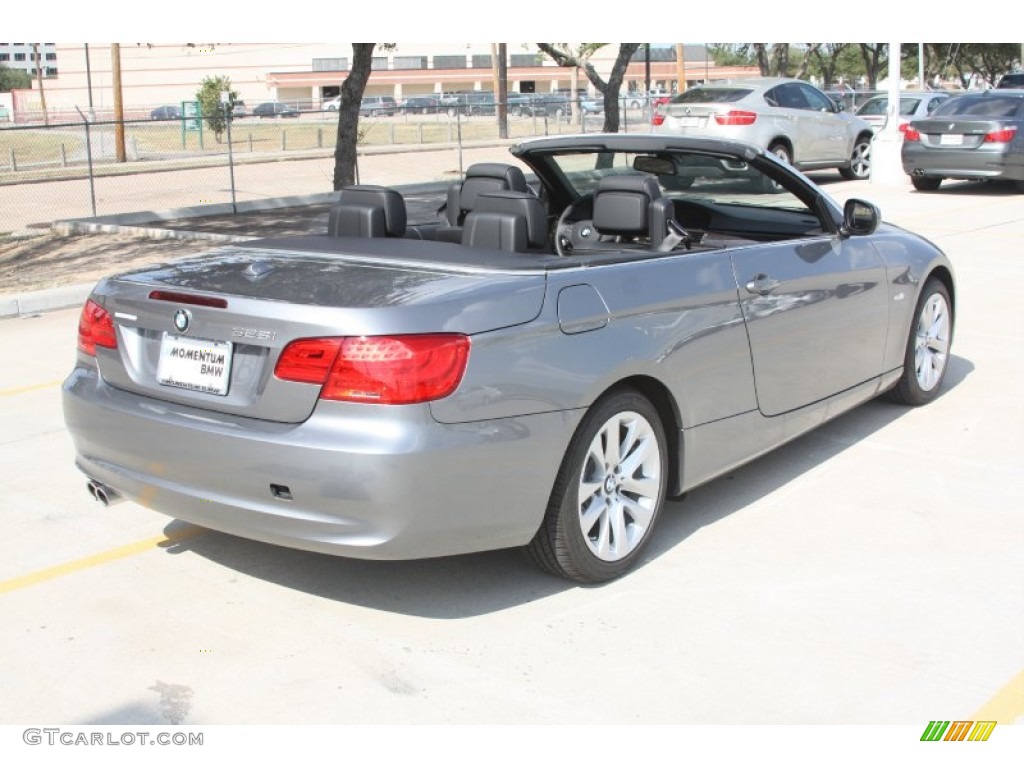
[[980, 106], [711, 95]]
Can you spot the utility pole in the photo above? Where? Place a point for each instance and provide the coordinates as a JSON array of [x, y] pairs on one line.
[[88, 81], [680, 68], [39, 79], [115, 57], [500, 55], [647, 69]]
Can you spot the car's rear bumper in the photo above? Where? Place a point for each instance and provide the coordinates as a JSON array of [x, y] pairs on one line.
[[963, 164], [391, 484]]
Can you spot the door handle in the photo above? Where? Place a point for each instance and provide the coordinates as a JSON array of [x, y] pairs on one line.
[[762, 284]]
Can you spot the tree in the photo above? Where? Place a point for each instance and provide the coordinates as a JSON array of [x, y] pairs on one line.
[[772, 58], [989, 61], [876, 58], [352, 89], [10, 79], [564, 56], [730, 55], [214, 111], [824, 60]]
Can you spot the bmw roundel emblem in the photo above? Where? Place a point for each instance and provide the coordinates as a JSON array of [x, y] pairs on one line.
[[182, 319]]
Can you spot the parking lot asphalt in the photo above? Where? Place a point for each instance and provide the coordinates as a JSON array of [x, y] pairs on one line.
[[868, 573]]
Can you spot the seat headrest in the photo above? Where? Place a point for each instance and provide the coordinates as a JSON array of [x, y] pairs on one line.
[[621, 204], [524, 204], [367, 210], [507, 221], [489, 177], [511, 175]]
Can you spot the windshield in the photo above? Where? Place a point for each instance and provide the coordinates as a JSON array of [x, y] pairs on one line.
[[980, 106], [680, 175], [711, 95]]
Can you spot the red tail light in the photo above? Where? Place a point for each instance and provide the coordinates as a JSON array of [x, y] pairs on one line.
[[736, 117], [393, 370], [657, 118], [95, 329], [1002, 136], [307, 360], [911, 134]]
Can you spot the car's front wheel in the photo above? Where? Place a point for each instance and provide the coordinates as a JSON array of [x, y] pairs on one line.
[[927, 352], [608, 492], [860, 161]]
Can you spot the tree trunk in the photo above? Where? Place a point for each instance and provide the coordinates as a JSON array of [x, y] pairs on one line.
[[348, 114], [610, 90], [873, 62]]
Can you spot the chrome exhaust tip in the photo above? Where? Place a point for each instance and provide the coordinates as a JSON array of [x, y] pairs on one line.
[[104, 494]]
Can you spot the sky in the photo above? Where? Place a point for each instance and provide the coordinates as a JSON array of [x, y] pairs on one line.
[[476, 20]]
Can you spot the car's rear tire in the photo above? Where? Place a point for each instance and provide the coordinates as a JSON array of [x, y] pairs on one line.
[[926, 358], [926, 183], [782, 152], [608, 493], [860, 161]]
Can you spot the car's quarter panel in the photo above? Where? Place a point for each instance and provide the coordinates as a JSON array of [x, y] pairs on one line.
[[816, 315], [675, 318], [371, 481]]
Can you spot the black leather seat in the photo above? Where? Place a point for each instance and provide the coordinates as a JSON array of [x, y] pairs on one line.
[[508, 221], [463, 195], [368, 211], [629, 210]]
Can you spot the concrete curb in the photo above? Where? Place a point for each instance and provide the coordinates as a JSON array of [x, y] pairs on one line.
[[49, 300], [136, 222]]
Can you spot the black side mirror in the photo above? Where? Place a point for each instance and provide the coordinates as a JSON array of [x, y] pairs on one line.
[[860, 218]]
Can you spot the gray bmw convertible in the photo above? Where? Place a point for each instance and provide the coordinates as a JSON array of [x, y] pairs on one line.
[[591, 326]]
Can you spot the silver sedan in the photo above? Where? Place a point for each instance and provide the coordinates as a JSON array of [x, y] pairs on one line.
[[912, 107], [976, 136]]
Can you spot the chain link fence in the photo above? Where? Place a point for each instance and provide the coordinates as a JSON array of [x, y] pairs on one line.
[[72, 169]]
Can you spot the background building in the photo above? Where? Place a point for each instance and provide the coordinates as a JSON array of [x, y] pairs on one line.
[[305, 75], [22, 56]]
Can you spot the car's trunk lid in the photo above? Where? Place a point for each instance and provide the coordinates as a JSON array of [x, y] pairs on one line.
[[207, 332], [955, 132]]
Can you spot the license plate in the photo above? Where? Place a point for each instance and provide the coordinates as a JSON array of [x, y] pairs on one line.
[[951, 139], [200, 365], [690, 122]]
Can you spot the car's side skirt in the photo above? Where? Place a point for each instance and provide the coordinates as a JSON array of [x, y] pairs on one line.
[[712, 449]]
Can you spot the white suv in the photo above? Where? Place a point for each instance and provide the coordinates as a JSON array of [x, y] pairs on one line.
[[790, 118]]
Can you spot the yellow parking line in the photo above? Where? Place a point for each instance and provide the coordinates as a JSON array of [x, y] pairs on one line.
[[1007, 705], [31, 579], [30, 388]]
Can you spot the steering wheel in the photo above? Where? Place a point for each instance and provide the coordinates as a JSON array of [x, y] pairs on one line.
[[566, 234]]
